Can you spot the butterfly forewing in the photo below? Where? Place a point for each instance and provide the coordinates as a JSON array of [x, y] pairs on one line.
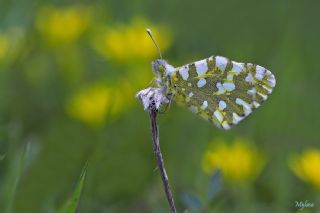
[[220, 90]]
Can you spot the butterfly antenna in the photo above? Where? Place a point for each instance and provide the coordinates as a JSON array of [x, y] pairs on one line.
[[155, 43]]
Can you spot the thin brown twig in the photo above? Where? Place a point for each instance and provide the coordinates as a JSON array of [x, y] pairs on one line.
[[158, 154], [152, 100]]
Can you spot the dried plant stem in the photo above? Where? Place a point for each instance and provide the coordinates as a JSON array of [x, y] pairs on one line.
[[152, 100], [158, 154]]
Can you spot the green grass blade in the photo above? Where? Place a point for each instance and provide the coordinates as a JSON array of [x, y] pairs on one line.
[[13, 176], [72, 203]]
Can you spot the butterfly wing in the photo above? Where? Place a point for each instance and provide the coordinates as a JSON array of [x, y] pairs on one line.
[[220, 90]]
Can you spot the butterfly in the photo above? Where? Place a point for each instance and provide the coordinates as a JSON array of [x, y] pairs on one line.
[[218, 89]]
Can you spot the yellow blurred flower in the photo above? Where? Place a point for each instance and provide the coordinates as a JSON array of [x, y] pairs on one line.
[[4, 45], [93, 104], [239, 162], [129, 42], [307, 166], [10, 42], [90, 105], [63, 25], [123, 97]]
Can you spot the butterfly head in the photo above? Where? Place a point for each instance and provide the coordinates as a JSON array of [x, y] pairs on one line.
[[161, 68]]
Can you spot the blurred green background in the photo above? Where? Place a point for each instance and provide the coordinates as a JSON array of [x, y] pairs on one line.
[[69, 71]]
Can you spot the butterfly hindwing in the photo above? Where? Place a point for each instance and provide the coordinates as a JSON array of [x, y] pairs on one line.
[[220, 90]]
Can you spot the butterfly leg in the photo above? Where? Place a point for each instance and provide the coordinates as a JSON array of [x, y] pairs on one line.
[[166, 107]]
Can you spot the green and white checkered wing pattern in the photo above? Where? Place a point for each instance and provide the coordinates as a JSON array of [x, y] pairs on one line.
[[220, 90]]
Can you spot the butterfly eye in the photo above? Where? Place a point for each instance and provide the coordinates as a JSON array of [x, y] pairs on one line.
[[161, 69]]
